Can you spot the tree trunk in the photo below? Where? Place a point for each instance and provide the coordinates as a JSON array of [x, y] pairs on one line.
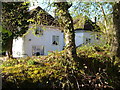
[[116, 20], [67, 24], [9, 50]]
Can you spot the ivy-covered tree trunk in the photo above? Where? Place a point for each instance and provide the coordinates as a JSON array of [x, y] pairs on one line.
[[66, 22], [116, 20]]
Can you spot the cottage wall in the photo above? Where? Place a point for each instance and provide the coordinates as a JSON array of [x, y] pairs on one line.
[[18, 47], [23, 46], [87, 37], [44, 40], [79, 38]]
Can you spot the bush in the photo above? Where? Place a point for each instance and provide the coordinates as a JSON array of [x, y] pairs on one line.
[[93, 71]]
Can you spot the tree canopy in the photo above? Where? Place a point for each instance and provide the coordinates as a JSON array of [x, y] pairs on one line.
[[14, 22]]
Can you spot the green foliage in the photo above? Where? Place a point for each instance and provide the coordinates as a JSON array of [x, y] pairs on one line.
[[30, 62], [14, 21], [79, 21], [14, 15], [94, 51], [57, 71]]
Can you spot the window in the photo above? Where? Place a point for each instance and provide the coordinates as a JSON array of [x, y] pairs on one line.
[[55, 40], [37, 50], [88, 40], [98, 36], [38, 31]]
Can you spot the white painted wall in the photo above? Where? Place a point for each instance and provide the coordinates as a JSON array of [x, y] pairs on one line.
[[93, 36], [44, 40], [22, 47], [18, 47], [89, 34], [79, 37]]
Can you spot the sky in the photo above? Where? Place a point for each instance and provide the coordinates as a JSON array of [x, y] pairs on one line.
[[44, 4]]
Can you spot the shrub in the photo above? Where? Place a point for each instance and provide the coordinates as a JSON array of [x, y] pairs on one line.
[[93, 71]]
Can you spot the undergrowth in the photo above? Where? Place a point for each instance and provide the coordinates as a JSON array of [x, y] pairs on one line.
[[96, 69]]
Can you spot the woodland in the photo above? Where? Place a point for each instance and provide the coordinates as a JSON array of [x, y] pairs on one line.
[[95, 67]]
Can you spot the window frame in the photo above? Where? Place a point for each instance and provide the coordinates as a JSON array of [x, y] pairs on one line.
[[88, 40], [38, 31], [98, 36], [55, 40]]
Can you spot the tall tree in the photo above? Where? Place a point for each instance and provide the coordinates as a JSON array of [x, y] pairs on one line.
[[116, 20], [66, 21], [14, 22]]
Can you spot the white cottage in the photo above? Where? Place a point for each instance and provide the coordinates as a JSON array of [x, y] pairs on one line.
[[43, 39], [89, 34], [83, 37], [38, 42]]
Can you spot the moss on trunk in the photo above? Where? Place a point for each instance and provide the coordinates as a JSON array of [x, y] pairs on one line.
[[66, 22]]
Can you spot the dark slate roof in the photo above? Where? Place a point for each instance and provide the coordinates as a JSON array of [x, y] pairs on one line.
[[44, 17], [79, 29], [91, 26]]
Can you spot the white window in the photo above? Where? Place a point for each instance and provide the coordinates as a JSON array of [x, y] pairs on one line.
[[38, 31], [55, 40], [37, 50], [88, 40]]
